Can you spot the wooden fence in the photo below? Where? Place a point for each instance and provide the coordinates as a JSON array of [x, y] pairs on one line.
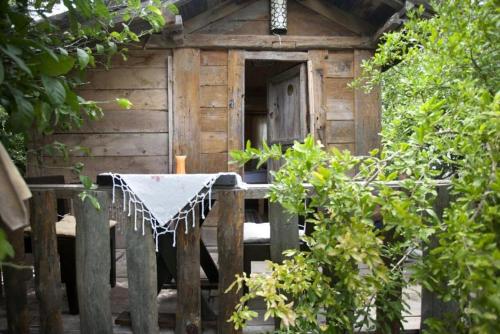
[[93, 264]]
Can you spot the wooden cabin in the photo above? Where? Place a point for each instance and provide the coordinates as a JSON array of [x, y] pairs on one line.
[[217, 76]]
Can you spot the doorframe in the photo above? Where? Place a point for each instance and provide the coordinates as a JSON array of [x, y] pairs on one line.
[[236, 90]]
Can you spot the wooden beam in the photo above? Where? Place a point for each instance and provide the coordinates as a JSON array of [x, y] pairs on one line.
[[433, 307], [188, 315], [367, 110], [317, 112], [340, 16], [141, 273], [14, 280], [276, 55], [264, 42], [394, 22], [186, 109], [93, 260], [174, 27], [230, 246], [284, 231], [236, 103], [170, 101], [214, 14], [43, 215]]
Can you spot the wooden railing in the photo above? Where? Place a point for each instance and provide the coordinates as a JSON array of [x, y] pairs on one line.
[[93, 262]]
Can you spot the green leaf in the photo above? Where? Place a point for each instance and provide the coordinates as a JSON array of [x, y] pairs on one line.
[[102, 10], [2, 74], [51, 67], [23, 117], [83, 58], [84, 7], [6, 248], [12, 52], [154, 9], [54, 90], [124, 103], [86, 181], [173, 8], [99, 48]]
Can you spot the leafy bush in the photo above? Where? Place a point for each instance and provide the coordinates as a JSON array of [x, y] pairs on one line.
[[441, 119], [43, 59]]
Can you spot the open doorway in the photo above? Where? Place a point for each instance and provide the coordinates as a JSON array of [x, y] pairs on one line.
[[275, 108]]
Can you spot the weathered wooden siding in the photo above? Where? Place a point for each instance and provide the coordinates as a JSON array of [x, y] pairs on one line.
[[346, 118], [253, 19], [200, 109], [129, 141]]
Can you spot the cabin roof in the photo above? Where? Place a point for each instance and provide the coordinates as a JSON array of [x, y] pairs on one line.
[[376, 12]]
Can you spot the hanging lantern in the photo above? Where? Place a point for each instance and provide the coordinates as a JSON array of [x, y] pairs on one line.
[[278, 16]]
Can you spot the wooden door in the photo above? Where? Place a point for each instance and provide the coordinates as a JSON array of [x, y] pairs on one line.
[[287, 108]]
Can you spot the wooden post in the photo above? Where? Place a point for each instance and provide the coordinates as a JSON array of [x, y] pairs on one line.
[[230, 247], [432, 306], [284, 231], [15, 285], [43, 215], [386, 323], [93, 264], [188, 315], [142, 280], [236, 103]]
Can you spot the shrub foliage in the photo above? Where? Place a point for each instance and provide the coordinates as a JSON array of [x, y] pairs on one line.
[[440, 82]]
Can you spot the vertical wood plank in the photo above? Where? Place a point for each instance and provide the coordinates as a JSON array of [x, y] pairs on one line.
[[318, 114], [230, 247], [366, 110], [432, 306], [142, 280], [93, 258], [170, 101], [43, 215], [14, 280], [236, 103], [386, 322], [186, 110], [310, 98], [188, 315], [284, 231]]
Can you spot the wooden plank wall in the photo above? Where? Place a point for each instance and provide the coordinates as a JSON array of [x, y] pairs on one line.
[[214, 111], [134, 140], [351, 117], [201, 113]]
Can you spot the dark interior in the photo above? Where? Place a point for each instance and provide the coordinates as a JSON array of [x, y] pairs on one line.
[[257, 74]]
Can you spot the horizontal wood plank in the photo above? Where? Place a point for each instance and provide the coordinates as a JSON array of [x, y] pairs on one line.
[[214, 162], [213, 119], [340, 132], [339, 110], [141, 99], [95, 165], [126, 78], [338, 89], [213, 142], [214, 58], [277, 55], [116, 121], [123, 144], [266, 42], [340, 64], [213, 75], [213, 96], [142, 58]]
